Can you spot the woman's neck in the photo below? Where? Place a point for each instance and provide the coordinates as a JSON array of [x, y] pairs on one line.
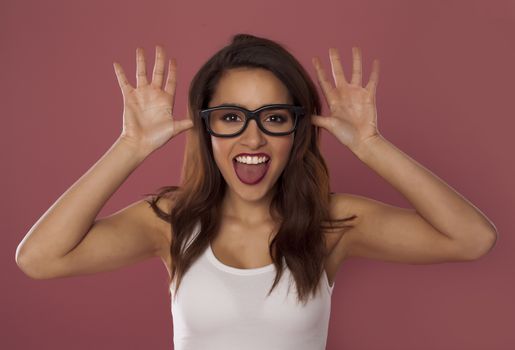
[[247, 212]]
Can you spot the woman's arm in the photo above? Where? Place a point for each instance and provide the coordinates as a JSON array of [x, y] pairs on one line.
[[65, 225], [67, 240], [443, 227]]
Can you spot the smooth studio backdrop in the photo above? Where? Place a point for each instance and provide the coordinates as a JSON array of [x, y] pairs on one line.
[[445, 97]]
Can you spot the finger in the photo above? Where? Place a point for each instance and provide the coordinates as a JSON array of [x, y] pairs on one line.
[[141, 68], [181, 125], [321, 121], [356, 66], [324, 83], [122, 79], [374, 78], [171, 82], [336, 65], [159, 67]]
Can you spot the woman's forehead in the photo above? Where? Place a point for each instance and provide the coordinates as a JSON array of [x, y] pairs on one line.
[[250, 88]]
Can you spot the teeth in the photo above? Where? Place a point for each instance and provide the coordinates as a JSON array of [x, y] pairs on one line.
[[251, 160]]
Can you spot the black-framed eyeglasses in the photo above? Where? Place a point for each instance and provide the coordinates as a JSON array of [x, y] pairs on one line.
[[230, 121]]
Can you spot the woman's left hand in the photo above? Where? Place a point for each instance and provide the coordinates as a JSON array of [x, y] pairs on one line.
[[353, 119]]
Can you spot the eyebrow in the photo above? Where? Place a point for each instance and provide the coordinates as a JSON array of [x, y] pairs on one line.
[[227, 104]]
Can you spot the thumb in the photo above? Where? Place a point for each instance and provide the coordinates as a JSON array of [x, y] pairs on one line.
[[321, 121], [181, 125]]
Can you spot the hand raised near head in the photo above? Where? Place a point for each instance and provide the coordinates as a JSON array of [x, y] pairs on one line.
[[148, 119]]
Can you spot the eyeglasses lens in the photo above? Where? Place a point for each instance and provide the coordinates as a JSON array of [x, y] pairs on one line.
[[229, 121]]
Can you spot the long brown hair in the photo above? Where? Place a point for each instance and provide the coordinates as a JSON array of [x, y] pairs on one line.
[[302, 202]]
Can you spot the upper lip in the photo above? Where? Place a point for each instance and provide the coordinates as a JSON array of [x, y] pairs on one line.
[[252, 155]]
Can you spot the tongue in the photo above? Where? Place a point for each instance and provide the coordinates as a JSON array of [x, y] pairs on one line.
[[250, 173]]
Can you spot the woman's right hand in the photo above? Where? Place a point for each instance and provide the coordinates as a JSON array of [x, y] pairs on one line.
[[148, 120]]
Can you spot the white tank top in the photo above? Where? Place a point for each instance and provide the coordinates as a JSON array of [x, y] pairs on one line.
[[220, 307]]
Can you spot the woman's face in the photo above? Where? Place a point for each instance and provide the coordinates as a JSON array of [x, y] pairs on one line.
[[251, 88]]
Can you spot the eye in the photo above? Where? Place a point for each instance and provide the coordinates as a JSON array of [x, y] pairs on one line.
[[229, 117], [277, 118]]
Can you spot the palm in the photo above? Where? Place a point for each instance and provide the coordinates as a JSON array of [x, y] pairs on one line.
[[353, 117], [148, 113], [148, 109]]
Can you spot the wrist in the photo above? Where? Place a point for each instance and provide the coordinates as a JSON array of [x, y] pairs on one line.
[[363, 149], [134, 147]]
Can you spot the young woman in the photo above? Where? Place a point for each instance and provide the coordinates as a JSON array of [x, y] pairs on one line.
[[253, 238]]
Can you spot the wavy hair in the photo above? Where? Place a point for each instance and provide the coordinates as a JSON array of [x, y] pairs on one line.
[[302, 202]]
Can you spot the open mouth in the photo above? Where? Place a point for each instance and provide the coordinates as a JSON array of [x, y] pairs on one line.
[[251, 174]]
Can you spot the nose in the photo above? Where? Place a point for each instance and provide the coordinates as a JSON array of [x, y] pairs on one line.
[[253, 136]]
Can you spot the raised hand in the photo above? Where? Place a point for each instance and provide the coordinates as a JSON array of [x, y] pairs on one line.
[[148, 119], [353, 118]]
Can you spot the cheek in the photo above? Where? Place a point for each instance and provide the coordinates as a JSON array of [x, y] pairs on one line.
[[220, 151], [284, 148], [282, 156]]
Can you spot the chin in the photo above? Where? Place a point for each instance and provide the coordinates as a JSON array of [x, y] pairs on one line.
[[250, 193]]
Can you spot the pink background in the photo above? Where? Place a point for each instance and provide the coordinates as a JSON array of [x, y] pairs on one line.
[[445, 97]]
